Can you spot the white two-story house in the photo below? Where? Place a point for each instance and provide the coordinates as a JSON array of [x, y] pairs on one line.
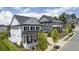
[[24, 30]]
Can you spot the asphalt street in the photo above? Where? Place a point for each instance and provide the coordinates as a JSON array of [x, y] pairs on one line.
[[73, 44]]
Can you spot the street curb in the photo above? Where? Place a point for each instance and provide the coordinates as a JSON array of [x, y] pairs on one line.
[[67, 41], [63, 44]]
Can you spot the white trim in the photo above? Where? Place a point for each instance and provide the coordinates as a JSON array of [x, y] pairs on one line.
[[39, 28], [34, 37], [29, 28], [29, 37], [56, 25], [34, 27]]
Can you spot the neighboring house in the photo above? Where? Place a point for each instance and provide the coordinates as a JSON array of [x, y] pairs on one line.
[[77, 20], [3, 28], [24, 30], [48, 23], [70, 20]]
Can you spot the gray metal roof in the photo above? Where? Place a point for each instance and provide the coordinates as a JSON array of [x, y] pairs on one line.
[[50, 18], [47, 17], [24, 19]]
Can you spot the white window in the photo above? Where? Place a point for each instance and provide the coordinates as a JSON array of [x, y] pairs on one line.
[[32, 28], [33, 38], [37, 28], [26, 28]]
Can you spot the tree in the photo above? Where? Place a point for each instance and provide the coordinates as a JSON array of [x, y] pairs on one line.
[[55, 35], [73, 25], [63, 18], [73, 16], [3, 35], [55, 17], [42, 40], [69, 28]]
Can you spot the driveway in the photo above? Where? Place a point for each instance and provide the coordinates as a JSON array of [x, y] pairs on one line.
[[73, 44]]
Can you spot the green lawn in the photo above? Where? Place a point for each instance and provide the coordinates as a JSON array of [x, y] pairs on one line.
[[6, 45]]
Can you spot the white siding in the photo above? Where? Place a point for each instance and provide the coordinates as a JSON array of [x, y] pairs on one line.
[[16, 35], [15, 22]]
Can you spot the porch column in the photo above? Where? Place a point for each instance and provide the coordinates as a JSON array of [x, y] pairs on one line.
[[35, 27], [29, 28]]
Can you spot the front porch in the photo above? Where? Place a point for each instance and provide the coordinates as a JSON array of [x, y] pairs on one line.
[[29, 40]]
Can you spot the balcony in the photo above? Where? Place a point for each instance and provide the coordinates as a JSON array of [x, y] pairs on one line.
[[56, 25]]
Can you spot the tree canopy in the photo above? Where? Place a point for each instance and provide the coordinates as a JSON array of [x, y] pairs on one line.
[[73, 16], [55, 18], [63, 18], [69, 28]]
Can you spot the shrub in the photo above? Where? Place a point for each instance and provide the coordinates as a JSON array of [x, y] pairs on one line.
[[73, 25], [49, 34], [33, 47], [69, 28], [42, 40], [3, 35], [55, 35]]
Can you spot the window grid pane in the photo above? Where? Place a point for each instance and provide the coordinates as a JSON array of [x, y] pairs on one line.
[[26, 28]]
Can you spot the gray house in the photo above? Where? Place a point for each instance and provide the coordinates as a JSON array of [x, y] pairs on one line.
[[48, 23], [70, 20], [24, 30]]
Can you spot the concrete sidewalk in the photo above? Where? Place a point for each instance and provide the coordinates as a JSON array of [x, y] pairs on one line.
[[50, 44]]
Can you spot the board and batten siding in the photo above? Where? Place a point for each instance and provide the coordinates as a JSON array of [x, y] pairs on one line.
[[15, 32]]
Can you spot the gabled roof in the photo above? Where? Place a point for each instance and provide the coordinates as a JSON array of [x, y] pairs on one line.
[[49, 18], [24, 19]]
